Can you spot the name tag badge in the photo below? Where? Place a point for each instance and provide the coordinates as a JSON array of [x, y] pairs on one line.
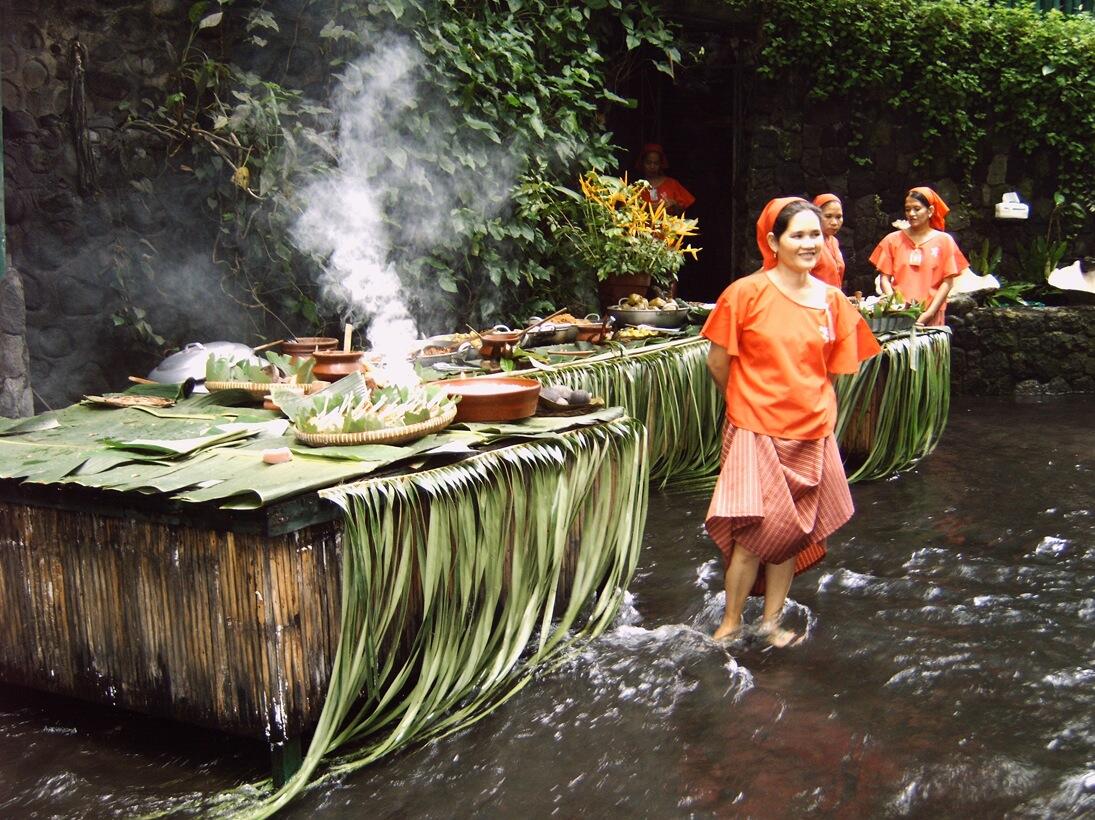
[[915, 257]]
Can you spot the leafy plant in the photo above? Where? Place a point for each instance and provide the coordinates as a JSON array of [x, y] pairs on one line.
[[611, 229], [986, 259], [524, 87], [281, 370], [1010, 294], [1039, 259]]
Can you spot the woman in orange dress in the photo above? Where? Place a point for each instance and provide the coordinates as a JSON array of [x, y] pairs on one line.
[[921, 261], [777, 336], [653, 164], [830, 264]]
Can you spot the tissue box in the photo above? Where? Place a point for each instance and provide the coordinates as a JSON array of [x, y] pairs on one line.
[[1009, 207], [1012, 210]]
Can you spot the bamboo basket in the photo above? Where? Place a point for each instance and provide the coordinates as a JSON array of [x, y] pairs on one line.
[[389, 435]]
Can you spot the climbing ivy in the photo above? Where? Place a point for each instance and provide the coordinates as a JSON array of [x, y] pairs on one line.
[[964, 72], [525, 84]]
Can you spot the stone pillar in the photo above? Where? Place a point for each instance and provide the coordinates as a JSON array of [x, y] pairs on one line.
[[15, 393]]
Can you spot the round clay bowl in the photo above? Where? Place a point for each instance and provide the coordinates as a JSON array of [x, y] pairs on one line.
[[503, 398], [497, 343], [332, 365], [305, 346]]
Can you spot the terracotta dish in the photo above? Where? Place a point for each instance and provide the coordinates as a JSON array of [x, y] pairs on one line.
[[306, 345], [503, 398]]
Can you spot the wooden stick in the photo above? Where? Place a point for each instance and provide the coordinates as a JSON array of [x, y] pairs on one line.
[[267, 346], [139, 380]]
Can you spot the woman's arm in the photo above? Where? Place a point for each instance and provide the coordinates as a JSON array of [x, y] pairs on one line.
[[718, 364], [937, 302], [886, 283]]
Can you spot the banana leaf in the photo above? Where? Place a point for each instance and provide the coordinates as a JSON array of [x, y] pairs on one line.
[[435, 632]]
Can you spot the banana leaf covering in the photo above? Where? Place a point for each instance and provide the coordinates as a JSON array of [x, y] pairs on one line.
[[891, 413], [457, 589], [199, 451]]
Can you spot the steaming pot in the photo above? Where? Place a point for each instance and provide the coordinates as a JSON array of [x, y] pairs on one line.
[[189, 363]]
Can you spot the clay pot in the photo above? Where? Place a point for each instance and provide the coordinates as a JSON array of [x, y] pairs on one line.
[[503, 398], [304, 346], [497, 343], [332, 365], [618, 287]]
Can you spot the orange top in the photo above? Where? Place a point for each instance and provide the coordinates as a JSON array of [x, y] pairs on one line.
[[830, 263], [782, 353], [669, 188], [939, 259]]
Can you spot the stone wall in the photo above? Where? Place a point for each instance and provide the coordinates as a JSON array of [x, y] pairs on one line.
[[15, 392], [96, 221], [795, 147], [1010, 351]]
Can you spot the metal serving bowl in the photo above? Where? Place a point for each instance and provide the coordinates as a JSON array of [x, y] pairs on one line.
[[550, 334], [651, 318]]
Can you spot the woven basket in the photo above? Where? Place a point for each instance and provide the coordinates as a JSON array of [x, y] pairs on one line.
[[389, 435], [261, 389]]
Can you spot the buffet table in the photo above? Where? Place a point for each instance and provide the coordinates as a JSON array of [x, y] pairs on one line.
[[149, 559], [892, 413]]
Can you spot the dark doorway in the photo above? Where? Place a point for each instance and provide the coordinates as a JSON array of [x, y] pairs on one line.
[[694, 117]]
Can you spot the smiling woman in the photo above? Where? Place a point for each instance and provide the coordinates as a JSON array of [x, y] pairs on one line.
[[777, 337]]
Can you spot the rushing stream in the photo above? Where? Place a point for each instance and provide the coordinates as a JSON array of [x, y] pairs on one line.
[[949, 671]]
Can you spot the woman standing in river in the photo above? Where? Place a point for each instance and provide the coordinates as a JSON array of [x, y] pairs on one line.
[[777, 337], [921, 261]]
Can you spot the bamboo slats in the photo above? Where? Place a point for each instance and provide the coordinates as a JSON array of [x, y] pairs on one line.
[[234, 631]]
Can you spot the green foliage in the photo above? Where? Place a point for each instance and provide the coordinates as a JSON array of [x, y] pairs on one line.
[[521, 85], [986, 259], [962, 71], [1010, 294], [1039, 259]]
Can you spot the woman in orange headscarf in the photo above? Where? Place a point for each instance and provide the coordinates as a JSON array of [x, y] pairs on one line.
[[921, 261], [653, 164], [777, 336], [830, 264]]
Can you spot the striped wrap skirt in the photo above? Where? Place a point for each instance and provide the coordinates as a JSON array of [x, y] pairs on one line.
[[777, 498]]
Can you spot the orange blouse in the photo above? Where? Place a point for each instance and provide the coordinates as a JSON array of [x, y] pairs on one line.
[[782, 353], [830, 263], [669, 188], [940, 259]]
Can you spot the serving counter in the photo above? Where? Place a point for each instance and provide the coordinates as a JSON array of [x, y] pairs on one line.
[[149, 559]]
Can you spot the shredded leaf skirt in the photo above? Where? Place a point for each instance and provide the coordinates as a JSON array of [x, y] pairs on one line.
[[777, 498]]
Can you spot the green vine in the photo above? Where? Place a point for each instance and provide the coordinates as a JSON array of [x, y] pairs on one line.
[[964, 72], [523, 84]]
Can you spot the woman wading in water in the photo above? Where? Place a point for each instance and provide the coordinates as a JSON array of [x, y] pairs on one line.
[[777, 336]]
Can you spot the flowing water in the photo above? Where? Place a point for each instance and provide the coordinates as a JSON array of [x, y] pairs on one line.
[[948, 671]]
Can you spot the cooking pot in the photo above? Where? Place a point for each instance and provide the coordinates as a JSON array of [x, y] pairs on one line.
[[549, 334], [651, 318], [189, 363]]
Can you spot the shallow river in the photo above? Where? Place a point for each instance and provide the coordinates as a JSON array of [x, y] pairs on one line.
[[949, 670]]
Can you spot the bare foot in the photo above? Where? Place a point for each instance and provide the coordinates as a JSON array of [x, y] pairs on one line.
[[727, 629], [779, 637]]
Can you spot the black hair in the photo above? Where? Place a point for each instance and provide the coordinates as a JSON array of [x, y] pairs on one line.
[[919, 197], [1087, 264], [783, 218]]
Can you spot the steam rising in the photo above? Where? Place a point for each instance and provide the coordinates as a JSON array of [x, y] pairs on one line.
[[386, 193]]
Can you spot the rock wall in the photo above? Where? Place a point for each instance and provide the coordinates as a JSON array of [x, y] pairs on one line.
[[795, 147], [15, 392], [96, 223], [1010, 351]]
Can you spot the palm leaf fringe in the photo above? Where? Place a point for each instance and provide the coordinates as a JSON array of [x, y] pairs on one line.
[[667, 387], [894, 410], [456, 589]]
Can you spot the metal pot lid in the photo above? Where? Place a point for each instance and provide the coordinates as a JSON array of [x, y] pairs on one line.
[[189, 363]]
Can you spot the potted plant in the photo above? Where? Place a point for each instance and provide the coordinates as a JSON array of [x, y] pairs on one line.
[[626, 241]]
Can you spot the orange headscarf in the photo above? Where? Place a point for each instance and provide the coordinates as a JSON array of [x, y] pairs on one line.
[[821, 200], [652, 148], [939, 215], [764, 227]]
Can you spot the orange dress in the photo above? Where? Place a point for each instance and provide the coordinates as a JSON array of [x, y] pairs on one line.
[[939, 260], [669, 188], [782, 490], [830, 264]]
